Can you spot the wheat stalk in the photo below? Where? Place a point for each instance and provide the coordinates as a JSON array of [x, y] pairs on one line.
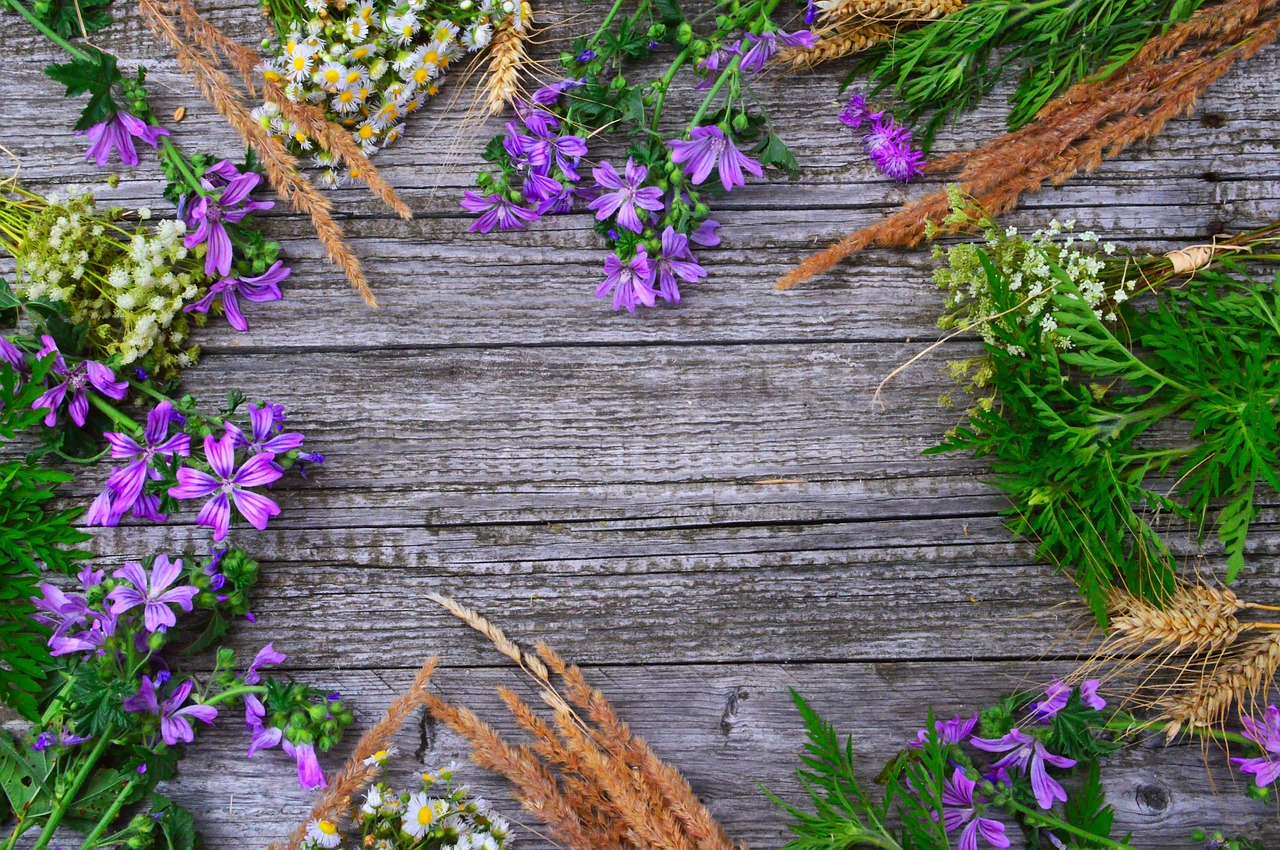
[[336, 802], [835, 45], [887, 10], [1194, 617], [1238, 678], [507, 57]]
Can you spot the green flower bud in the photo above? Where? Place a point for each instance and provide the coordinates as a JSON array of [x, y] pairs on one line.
[[657, 31], [740, 122], [701, 210], [684, 32], [619, 83], [156, 641], [318, 712], [226, 657]]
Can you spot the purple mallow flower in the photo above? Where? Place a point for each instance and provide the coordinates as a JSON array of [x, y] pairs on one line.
[[229, 485], [630, 282], [1028, 754], [266, 655], [117, 134], [174, 725], [76, 383], [959, 809], [152, 592], [1059, 693], [951, 731], [675, 261], [11, 354], [708, 148], [127, 482], [264, 433], [210, 215], [706, 234], [495, 211], [889, 147], [624, 195], [1266, 734], [261, 288], [548, 95], [585, 56], [309, 773], [757, 50]]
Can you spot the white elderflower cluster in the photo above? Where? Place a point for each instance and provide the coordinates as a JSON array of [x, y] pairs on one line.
[[370, 66], [1030, 269], [441, 815], [126, 288]]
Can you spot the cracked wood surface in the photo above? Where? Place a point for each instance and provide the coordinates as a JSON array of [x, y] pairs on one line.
[[703, 505]]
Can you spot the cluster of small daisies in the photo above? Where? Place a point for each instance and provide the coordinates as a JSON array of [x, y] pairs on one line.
[[888, 144], [441, 815], [371, 66], [1029, 267], [127, 289]]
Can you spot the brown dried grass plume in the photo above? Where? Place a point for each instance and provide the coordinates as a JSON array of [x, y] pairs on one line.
[[596, 784]]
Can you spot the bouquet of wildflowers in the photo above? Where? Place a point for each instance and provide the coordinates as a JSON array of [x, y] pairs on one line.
[[441, 815], [652, 205], [369, 64], [118, 710]]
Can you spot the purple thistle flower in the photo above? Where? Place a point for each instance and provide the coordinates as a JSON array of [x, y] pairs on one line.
[[631, 282], [759, 49], [128, 481], [1028, 754], [889, 148], [495, 211], [708, 148], [152, 592], [309, 773], [951, 731], [266, 655], [117, 134], [210, 215], [1058, 694], [676, 260], [229, 485], [626, 194], [960, 809], [855, 112], [77, 381], [1266, 734], [262, 288], [527, 153], [264, 433], [174, 725]]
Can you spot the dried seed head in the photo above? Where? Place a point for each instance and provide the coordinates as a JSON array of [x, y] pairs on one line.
[[834, 45], [1236, 679], [1196, 617]]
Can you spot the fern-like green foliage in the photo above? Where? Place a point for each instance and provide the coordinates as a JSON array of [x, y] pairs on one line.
[[1073, 437], [950, 64], [32, 537]]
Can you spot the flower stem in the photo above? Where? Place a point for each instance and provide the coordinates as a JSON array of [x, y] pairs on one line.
[[69, 795], [120, 418], [608, 19], [729, 70], [232, 693], [91, 840], [1054, 823], [22, 10]]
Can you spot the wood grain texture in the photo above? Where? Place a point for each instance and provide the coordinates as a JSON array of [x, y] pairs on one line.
[[705, 504]]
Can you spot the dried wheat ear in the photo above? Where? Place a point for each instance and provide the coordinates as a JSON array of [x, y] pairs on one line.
[[594, 783], [205, 54]]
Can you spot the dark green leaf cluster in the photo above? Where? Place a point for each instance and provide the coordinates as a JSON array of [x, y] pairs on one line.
[[94, 74], [949, 65], [1078, 438], [34, 537], [71, 18]]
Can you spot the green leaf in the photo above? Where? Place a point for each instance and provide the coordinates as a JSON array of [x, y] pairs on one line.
[[773, 151], [669, 11], [177, 828], [95, 75], [66, 16], [1087, 808]]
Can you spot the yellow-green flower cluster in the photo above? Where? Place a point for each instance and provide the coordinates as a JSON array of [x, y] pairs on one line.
[[125, 286], [371, 65], [441, 815]]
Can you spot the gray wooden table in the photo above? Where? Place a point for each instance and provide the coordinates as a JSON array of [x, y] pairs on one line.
[[701, 504]]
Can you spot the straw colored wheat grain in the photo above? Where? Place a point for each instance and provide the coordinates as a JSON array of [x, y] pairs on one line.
[[1195, 617], [336, 802], [1236, 680], [835, 45], [507, 58], [831, 11]]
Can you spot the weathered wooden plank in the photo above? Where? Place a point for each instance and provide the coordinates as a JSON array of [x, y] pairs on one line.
[[730, 728]]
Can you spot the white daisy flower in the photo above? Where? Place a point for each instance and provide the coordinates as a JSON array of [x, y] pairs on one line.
[[372, 800], [444, 31], [299, 68], [331, 74], [402, 28], [477, 37], [361, 52], [315, 7], [346, 102], [354, 79], [391, 135], [324, 834], [367, 133], [389, 113], [355, 28], [422, 813], [380, 757], [330, 179], [364, 11]]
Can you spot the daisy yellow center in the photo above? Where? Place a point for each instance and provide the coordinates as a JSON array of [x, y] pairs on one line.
[[431, 57], [353, 77], [443, 34], [408, 30], [425, 816], [332, 76], [360, 52], [366, 132], [326, 827], [291, 46], [420, 75], [301, 137], [346, 97], [272, 76], [380, 755], [299, 62]]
